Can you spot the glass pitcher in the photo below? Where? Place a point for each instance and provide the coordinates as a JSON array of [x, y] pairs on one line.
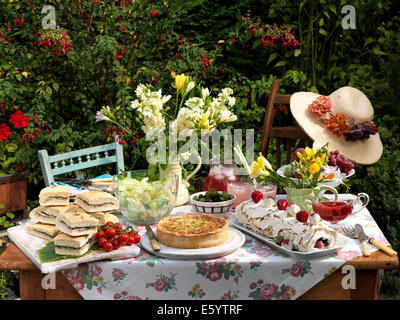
[[220, 174]]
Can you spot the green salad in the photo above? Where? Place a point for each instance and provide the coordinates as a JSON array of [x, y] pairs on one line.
[[144, 199]]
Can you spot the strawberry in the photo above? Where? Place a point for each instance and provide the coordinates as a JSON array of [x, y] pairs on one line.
[[282, 204], [285, 242], [302, 216], [318, 244], [257, 196]]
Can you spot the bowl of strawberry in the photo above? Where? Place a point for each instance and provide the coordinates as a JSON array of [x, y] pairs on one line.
[[112, 236]]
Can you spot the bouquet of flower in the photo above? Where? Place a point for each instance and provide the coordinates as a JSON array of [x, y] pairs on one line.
[[310, 168], [191, 115]]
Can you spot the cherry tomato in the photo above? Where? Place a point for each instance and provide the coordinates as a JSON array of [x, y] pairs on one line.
[[131, 240], [107, 246], [117, 226], [101, 241], [136, 237], [123, 239], [131, 233], [110, 233], [109, 223], [100, 234], [116, 245]]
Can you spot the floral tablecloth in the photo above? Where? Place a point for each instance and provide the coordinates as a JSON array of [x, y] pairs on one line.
[[254, 271]]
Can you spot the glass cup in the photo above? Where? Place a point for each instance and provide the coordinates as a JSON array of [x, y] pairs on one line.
[[241, 188], [219, 175], [268, 191], [335, 211]]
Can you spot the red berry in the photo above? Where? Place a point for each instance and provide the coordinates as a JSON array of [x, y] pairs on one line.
[[282, 204], [302, 216], [318, 244], [257, 196]]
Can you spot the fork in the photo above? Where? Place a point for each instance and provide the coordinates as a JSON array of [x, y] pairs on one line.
[[350, 232]]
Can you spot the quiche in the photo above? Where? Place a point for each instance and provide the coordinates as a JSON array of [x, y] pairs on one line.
[[192, 231]]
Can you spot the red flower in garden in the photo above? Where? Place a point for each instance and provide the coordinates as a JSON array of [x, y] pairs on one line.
[[4, 132], [19, 119], [154, 13]]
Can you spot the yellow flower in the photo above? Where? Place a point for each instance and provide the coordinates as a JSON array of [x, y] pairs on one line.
[[99, 279], [237, 268], [180, 81], [221, 41], [173, 74], [264, 163], [128, 80], [24, 73], [255, 169], [308, 153], [315, 167], [226, 265]]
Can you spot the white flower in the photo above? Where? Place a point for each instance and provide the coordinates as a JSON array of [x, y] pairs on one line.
[[194, 102], [227, 92], [135, 104], [317, 146], [204, 93], [189, 87], [231, 101], [185, 155]]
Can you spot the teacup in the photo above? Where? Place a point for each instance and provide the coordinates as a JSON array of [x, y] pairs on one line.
[[337, 210]]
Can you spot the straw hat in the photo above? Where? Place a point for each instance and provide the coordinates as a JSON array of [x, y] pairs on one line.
[[355, 105]]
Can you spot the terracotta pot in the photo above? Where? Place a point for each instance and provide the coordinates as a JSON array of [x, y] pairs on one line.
[[13, 190]]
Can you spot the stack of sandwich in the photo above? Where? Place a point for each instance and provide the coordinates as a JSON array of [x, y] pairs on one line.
[[71, 225]]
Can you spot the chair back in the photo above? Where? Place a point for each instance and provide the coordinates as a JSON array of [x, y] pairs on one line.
[[81, 159], [283, 135]]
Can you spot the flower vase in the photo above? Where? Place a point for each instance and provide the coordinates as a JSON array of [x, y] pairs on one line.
[[303, 197], [174, 168]]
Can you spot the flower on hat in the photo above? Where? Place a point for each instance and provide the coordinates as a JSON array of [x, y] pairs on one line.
[[337, 124], [320, 106]]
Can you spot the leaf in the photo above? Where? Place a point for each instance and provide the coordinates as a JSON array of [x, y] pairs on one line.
[[272, 57], [55, 86], [297, 52], [321, 22], [47, 254], [323, 32], [378, 52], [11, 147], [49, 91], [280, 64]]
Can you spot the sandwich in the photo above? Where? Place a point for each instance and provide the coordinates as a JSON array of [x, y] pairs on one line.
[[104, 217], [54, 196], [46, 215], [76, 222], [64, 244], [41, 230], [95, 201]]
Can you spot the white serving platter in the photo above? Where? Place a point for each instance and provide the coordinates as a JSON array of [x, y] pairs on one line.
[[341, 242], [30, 245], [235, 241]]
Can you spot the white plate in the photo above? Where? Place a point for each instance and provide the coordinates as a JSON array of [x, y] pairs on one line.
[[334, 184], [341, 242], [30, 245], [235, 241]]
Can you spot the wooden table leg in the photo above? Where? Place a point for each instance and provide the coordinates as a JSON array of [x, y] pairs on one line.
[[30, 285], [367, 284], [64, 290]]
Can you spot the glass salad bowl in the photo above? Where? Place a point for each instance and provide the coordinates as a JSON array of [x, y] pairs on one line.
[[144, 198]]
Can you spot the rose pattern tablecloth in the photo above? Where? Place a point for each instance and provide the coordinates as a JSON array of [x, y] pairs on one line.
[[254, 271]]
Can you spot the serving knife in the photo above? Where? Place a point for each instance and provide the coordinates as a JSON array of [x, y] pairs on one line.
[[153, 239], [365, 239]]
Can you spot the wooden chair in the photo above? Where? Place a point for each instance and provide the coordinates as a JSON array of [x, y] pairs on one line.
[[84, 158], [286, 135]]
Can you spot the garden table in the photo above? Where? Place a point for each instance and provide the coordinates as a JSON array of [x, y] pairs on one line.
[[255, 271]]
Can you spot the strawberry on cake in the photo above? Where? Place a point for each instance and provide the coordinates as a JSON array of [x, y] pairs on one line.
[[291, 228]]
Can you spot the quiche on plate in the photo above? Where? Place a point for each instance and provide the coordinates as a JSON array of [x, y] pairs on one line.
[[192, 231]]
